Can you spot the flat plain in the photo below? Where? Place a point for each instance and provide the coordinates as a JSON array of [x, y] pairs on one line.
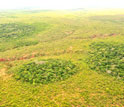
[[91, 40]]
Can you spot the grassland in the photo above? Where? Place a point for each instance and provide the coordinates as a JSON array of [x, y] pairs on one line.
[[27, 36]]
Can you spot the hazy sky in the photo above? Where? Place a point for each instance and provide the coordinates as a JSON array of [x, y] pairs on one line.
[[61, 4]]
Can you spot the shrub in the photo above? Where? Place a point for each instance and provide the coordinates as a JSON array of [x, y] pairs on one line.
[[45, 71], [107, 57], [15, 30]]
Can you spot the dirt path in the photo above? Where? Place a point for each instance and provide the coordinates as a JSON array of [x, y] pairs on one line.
[[33, 55], [3, 74]]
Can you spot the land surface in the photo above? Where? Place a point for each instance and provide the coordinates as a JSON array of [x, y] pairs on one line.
[[68, 35]]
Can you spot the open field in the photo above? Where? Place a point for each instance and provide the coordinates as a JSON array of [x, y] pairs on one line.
[[86, 47]]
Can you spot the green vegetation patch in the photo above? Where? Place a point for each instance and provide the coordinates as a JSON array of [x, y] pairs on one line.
[[45, 71], [25, 43], [15, 30], [15, 35], [107, 57]]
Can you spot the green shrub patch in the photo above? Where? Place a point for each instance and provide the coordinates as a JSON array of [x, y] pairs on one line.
[[45, 71], [107, 57], [14, 30]]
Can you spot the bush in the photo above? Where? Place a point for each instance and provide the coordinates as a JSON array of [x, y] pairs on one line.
[[45, 71], [107, 57], [15, 30]]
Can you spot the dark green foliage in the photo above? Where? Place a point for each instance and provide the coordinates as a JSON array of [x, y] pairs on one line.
[[107, 57], [14, 30], [45, 71], [25, 43], [15, 35]]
